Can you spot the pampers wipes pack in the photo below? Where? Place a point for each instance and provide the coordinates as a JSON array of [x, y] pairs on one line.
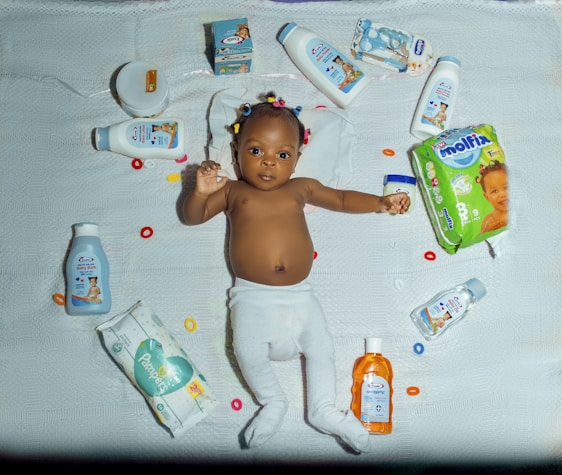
[[462, 177], [158, 367]]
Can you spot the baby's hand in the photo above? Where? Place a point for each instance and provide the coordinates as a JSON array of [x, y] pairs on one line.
[[207, 177], [397, 203]]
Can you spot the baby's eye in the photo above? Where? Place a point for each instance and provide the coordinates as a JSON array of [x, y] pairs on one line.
[[256, 151], [284, 155]]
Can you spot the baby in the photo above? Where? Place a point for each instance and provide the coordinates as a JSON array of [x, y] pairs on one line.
[[274, 313], [494, 187]]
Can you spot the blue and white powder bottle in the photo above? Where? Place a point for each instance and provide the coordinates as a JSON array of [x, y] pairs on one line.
[[87, 273], [437, 101], [327, 68]]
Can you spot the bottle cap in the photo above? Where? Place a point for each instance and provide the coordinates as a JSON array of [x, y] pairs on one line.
[[142, 89], [86, 229], [450, 59], [400, 179], [373, 345], [285, 31], [101, 135], [476, 287]]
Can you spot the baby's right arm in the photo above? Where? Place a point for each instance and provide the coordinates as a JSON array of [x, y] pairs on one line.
[[204, 202]]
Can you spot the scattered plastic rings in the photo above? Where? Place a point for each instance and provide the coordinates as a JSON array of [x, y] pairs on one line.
[[182, 159], [430, 256], [236, 404], [315, 255], [412, 390], [388, 152], [137, 163], [419, 348], [321, 107], [190, 325], [59, 299], [146, 232], [149, 163], [174, 177]]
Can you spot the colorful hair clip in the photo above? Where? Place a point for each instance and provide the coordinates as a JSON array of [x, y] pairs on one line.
[[236, 128], [297, 110], [306, 136], [271, 98], [279, 103], [246, 110]]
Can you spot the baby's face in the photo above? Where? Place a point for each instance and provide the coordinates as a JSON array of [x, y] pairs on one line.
[[268, 151], [495, 189]]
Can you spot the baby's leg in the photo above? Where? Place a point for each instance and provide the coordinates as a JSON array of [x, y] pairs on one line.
[[318, 350], [253, 327]]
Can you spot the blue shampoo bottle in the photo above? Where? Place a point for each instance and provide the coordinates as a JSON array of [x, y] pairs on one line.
[[87, 273]]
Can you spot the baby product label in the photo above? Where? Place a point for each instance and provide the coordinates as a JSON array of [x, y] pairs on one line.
[[464, 182], [86, 286], [391, 48], [442, 313], [153, 134], [375, 399], [333, 65], [157, 374]]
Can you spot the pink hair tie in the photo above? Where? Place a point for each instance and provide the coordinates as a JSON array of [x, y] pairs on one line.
[[306, 136]]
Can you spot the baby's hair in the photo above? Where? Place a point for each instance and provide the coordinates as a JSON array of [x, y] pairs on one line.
[[493, 166], [269, 107]]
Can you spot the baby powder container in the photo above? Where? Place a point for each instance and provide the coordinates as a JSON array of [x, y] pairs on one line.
[[437, 101], [327, 68], [87, 273], [142, 89], [398, 183], [143, 138]]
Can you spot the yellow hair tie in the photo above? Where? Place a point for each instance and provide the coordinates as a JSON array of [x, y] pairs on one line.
[[236, 128]]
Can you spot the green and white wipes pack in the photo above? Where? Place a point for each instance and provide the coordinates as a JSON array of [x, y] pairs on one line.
[[462, 177], [158, 367]]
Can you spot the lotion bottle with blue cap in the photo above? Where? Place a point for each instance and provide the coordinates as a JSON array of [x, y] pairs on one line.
[[447, 308], [437, 101]]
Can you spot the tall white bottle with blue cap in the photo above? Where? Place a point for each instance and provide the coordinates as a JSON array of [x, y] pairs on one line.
[[437, 101], [87, 273], [447, 308], [327, 68]]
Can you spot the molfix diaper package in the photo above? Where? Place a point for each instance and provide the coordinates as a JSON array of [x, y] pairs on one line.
[[158, 367], [462, 177]]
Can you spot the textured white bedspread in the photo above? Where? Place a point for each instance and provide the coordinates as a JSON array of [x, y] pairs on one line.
[[490, 387]]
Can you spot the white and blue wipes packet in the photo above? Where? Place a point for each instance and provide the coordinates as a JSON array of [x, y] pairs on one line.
[[158, 367]]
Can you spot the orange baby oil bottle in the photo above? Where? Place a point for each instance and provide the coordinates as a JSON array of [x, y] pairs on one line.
[[371, 392]]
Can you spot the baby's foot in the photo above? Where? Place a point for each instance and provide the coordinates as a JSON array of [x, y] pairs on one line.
[[265, 424], [344, 425]]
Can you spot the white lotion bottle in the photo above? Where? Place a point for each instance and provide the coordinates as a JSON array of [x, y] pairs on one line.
[[87, 273], [329, 70], [447, 308], [143, 138], [437, 101]]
